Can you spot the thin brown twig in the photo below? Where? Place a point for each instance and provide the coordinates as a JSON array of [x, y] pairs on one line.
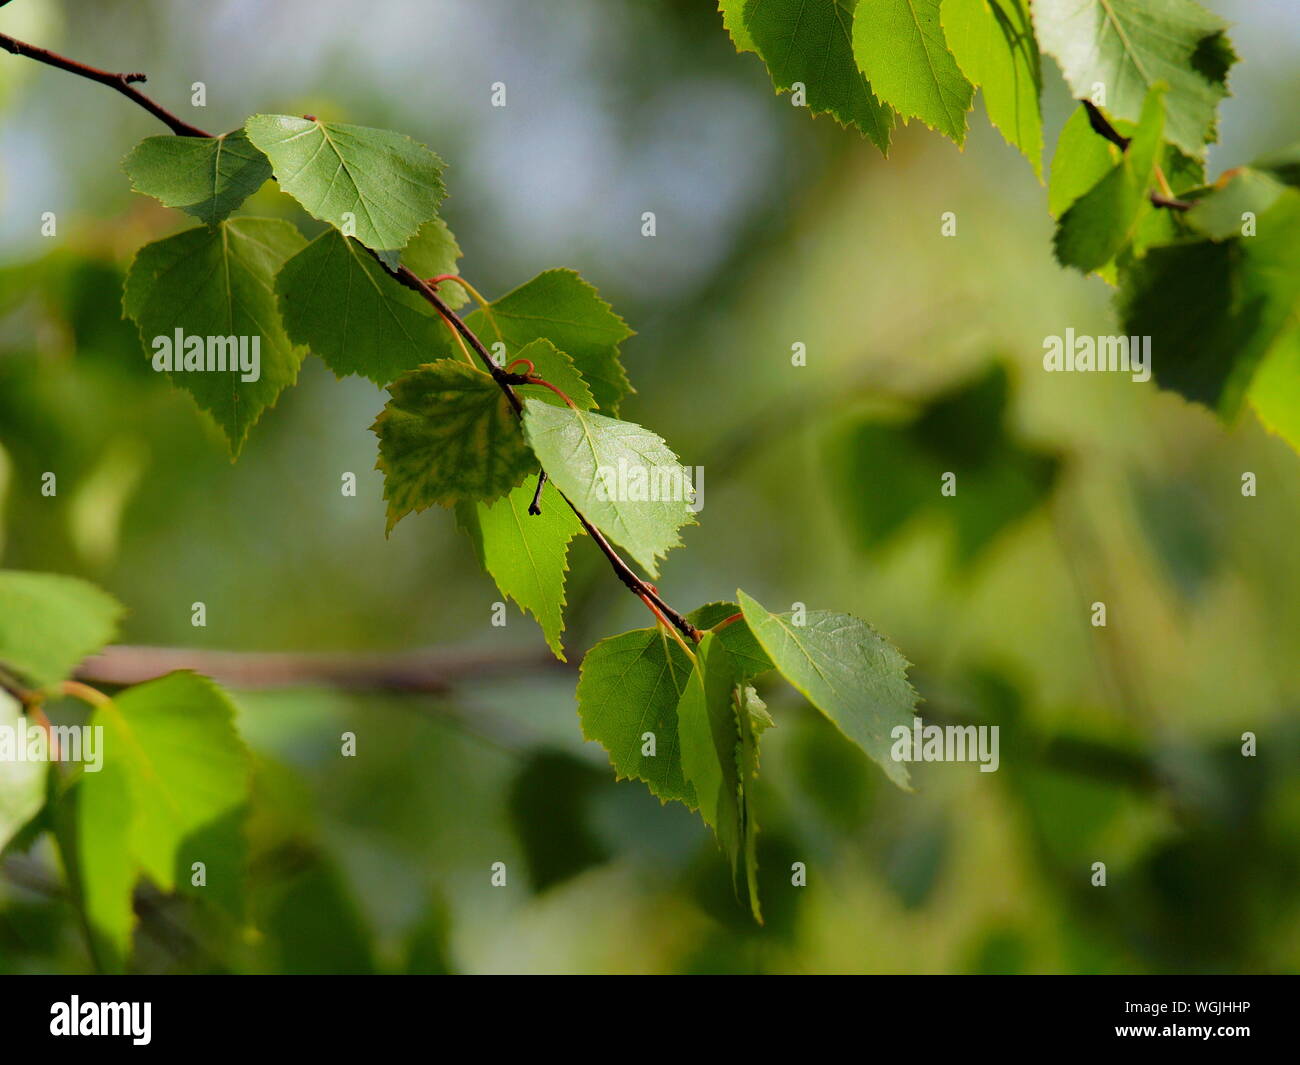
[[535, 507], [123, 84], [1101, 125], [1171, 203]]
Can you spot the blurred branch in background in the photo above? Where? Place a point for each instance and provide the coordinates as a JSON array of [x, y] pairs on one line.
[[440, 671], [431, 671]]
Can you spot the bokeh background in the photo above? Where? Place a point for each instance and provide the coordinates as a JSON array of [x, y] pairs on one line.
[[1120, 744]]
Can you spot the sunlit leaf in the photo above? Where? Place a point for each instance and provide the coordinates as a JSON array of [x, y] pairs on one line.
[[373, 184], [621, 476], [847, 670]]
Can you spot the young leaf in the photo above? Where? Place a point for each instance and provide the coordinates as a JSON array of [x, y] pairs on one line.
[[1102, 221], [49, 623], [373, 184], [1127, 46], [1082, 158], [335, 299], [448, 434], [899, 45], [433, 251], [215, 284], [22, 783], [630, 685], [759, 720], [173, 764], [811, 42], [847, 670], [710, 743], [526, 554], [993, 43], [621, 476], [559, 306], [207, 177]]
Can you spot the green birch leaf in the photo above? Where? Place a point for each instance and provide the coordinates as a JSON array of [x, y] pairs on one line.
[[49, 623], [186, 766], [22, 783], [559, 306], [1219, 213], [553, 365], [373, 184], [900, 47], [173, 767], [338, 301], [433, 251], [105, 863], [1129, 46], [447, 435], [811, 42], [846, 670], [217, 283], [1215, 309], [1192, 324], [748, 658], [1103, 220], [1183, 174], [630, 685], [621, 476], [993, 43], [733, 22], [527, 554], [710, 738], [1275, 389], [1082, 158], [1266, 292], [207, 177]]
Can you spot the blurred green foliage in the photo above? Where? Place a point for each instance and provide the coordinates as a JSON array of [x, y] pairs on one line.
[[1120, 744]]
